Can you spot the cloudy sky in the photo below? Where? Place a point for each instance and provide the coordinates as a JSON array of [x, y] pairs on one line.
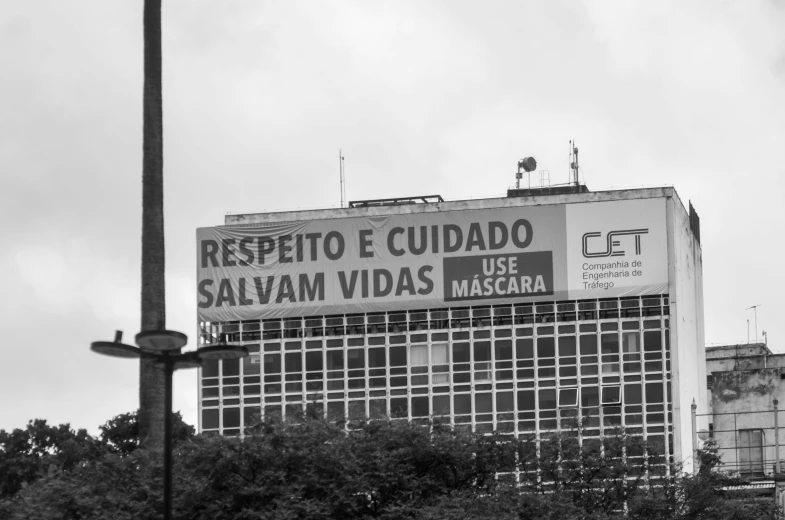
[[423, 97]]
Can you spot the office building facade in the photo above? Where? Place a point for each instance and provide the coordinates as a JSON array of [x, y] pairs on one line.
[[524, 314]]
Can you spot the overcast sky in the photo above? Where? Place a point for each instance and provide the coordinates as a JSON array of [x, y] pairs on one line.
[[423, 97]]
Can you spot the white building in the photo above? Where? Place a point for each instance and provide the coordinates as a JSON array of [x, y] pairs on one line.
[[514, 314]]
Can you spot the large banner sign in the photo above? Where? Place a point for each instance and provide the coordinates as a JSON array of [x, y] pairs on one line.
[[427, 260]]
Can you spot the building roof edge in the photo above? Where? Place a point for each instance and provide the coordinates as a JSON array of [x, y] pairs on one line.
[[241, 219]]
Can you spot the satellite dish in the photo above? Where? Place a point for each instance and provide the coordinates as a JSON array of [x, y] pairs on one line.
[[528, 164]]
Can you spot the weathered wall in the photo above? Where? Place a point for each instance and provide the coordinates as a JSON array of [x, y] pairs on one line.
[[744, 349], [744, 400], [751, 357], [745, 362], [688, 351]]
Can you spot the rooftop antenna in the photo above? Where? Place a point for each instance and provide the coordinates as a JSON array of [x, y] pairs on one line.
[[528, 165], [755, 310], [342, 178], [574, 162]]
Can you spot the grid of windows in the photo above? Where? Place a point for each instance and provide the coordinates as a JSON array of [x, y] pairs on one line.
[[522, 369]]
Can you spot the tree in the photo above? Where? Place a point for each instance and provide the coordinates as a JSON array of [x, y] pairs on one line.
[[30, 453], [151, 378], [110, 487], [382, 470], [121, 433], [701, 496]]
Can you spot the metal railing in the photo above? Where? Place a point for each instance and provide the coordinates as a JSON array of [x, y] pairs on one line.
[[747, 443]]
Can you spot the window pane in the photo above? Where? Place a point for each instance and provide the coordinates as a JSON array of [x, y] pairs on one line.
[[230, 367], [210, 369], [483, 403], [420, 406], [210, 419], [545, 347], [251, 365], [482, 351], [399, 407], [588, 344], [376, 357], [439, 354], [610, 343], [590, 396], [567, 346], [524, 348], [313, 361], [611, 395], [503, 350], [294, 362], [419, 355], [397, 356], [482, 371], [377, 408], [504, 402], [356, 358], [463, 404], [231, 417], [526, 401], [441, 405], [335, 360], [272, 363], [547, 399], [632, 394], [335, 410], [442, 378], [568, 371], [610, 368], [653, 393], [631, 342], [652, 341], [460, 352], [568, 397]]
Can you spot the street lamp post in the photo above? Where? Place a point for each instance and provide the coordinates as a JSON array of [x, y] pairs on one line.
[[164, 348]]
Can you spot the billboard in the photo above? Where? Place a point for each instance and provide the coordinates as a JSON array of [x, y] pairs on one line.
[[431, 260]]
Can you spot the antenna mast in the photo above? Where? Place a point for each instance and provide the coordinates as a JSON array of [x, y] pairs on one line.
[[574, 162], [755, 310], [342, 178]]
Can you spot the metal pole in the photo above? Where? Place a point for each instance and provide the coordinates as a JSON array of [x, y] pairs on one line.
[[694, 408], [736, 440], [776, 437], [168, 369]]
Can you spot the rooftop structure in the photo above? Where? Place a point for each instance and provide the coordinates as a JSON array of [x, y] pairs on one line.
[[744, 381]]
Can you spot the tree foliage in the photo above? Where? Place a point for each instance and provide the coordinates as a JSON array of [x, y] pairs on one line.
[[380, 470], [28, 453], [42, 450], [121, 433]]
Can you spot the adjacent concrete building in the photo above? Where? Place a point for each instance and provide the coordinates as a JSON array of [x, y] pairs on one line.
[[744, 382]]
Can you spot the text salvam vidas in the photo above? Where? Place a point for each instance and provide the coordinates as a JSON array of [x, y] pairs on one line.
[[261, 253]]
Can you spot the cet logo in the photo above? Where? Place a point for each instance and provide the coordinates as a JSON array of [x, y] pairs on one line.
[[612, 245]]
